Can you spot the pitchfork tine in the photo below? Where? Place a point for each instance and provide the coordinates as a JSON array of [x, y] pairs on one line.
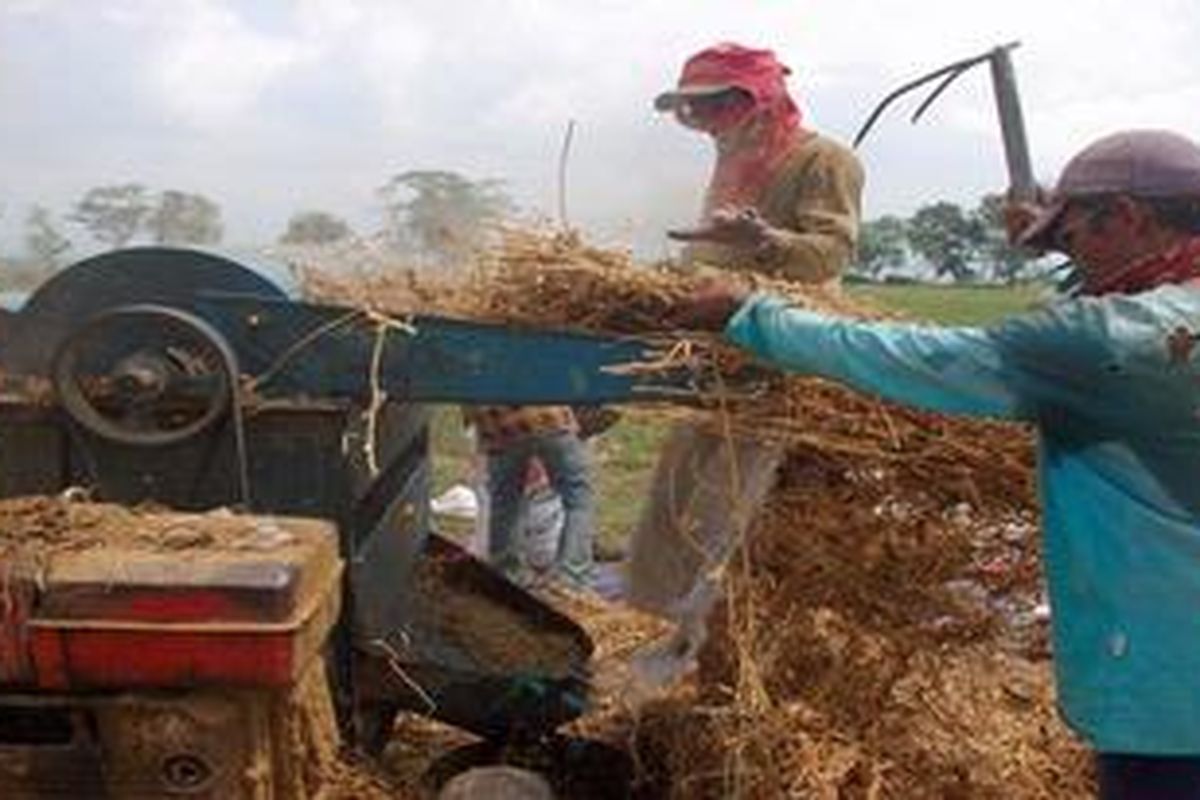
[[887, 101], [950, 71], [936, 93]]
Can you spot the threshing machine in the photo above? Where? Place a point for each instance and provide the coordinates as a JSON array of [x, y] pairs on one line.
[[174, 382]]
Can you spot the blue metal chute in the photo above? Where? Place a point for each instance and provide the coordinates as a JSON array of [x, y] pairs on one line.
[[291, 349]]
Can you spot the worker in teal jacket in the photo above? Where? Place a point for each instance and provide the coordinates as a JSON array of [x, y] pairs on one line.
[[1110, 377]]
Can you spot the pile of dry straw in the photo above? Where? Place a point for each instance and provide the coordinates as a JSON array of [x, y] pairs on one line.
[[882, 634]]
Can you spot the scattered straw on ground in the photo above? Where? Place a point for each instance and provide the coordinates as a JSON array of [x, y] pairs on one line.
[[881, 636]]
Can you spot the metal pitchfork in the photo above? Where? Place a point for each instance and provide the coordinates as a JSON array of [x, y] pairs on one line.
[[1012, 124]]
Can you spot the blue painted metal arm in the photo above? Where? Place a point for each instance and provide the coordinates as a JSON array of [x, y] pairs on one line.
[[292, 349]]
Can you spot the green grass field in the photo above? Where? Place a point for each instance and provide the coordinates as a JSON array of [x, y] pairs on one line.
[[953, 304], [624, 457]]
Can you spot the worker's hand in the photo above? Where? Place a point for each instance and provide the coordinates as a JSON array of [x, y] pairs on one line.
[[1020, 214], [709, 307], [742, 228], [1018, 217]]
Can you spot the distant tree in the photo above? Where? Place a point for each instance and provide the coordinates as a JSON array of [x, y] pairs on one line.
[[947, 238], [114, 214], [315, 227], [1007, 262], [442, 214], [184, 218], [882, 245], [43, 239]]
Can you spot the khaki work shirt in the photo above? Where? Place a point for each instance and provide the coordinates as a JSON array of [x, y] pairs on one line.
[[815, 203]]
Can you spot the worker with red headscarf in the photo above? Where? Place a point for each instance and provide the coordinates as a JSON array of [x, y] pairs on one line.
[[783, 201]]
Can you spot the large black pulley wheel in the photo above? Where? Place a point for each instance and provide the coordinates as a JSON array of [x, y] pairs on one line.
[[145, 375]]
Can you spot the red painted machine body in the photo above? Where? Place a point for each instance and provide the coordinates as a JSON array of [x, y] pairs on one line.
[[247, 603]]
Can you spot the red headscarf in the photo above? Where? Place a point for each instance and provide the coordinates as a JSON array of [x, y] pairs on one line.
[[753, 142], [1178, 264]]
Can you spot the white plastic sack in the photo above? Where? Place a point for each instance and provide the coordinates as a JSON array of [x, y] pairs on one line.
[[542, 520], [458, 501]]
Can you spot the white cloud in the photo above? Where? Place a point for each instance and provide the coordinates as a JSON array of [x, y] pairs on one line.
[[323, 18], [17, 8], [392, 53], [210, 67], [323, 98]]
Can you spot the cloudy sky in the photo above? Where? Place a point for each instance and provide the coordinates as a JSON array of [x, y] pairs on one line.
[[270, 106]]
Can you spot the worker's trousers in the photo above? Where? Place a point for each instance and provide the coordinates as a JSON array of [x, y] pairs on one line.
[[1134, 777], [707, 488], [565, 458]]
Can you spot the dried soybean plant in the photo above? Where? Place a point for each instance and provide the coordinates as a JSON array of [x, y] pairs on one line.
[[845, 661]]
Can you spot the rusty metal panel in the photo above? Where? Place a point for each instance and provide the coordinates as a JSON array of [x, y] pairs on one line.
[[30, 455], [46, 750], [16, 598]]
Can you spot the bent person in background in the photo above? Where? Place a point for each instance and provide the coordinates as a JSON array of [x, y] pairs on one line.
[[512, 437]]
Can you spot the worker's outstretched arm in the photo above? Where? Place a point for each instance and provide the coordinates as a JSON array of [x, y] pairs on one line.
[[1013, 369]]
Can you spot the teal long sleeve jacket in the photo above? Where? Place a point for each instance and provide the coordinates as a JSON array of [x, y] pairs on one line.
[[1112, 385]]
